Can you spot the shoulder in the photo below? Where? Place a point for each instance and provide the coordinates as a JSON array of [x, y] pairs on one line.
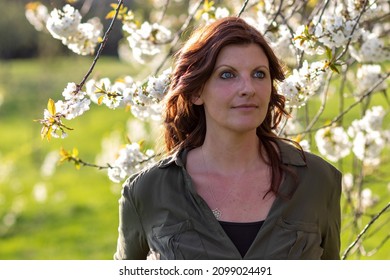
[[292, 155], [318, 165], [310, 169], [152, 177]]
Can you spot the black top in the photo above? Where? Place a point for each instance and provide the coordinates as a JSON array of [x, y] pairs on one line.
[[242, 234]]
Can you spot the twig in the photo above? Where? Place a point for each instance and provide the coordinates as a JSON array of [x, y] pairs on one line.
[[278, 12], [323, 105], [102, 45], [178, 34], [352, 31], [164, 11], [346, 252], [79, 161], [243, 8]]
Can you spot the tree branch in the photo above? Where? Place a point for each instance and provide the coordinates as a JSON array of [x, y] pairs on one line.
[[342, 114], [102, 45], [178, 34], [346, 252], [243, 8]]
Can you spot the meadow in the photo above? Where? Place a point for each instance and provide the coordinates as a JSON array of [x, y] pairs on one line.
[[73, 214]]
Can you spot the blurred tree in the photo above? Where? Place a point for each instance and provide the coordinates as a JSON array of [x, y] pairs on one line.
[[19, 39]]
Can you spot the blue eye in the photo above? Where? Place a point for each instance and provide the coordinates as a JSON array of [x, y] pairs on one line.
[[259, 74], [227, 75]]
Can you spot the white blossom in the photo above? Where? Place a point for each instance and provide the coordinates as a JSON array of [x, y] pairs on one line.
[[281, 42], [347, 181], [213, 14], [372, 49], [367, 199], [40, 192], [130, 160], [333, 30], [37, 15], [333, 143], [368, 137], [158, 86], [75, 104], [87, 37], [81, 38], [110, 145], [147, 39], [302, 83], [330, 30], [307, 44], [305, 145], [63, 23], [92, 88], [49, 164], [367, 76], [153, 112], [72, 92], [374, 9]]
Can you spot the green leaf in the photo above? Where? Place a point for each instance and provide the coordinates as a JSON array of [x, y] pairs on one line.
[[110, 15], [334, 68], [328, 53], [51, 107], [75, 153]]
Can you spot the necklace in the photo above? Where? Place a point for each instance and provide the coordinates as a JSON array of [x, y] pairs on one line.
[[216, 211]]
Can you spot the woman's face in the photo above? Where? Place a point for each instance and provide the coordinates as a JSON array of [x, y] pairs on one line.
[[237, 94]]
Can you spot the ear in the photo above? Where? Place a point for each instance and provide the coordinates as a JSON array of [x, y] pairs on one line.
[[197, 100]]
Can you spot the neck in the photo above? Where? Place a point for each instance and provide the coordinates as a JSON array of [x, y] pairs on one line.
[[234, 154]]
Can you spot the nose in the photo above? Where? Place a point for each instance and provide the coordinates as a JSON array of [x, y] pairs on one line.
[[247, 88]]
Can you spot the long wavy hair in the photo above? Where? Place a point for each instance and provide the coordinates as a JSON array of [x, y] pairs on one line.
[[185, 123]]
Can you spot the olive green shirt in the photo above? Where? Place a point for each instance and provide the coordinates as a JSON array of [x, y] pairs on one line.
[[161, 211]]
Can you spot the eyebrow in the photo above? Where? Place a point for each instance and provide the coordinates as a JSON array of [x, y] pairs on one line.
[[229, 66]]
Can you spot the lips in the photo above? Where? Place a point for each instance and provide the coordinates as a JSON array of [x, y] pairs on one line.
[[245, 106]]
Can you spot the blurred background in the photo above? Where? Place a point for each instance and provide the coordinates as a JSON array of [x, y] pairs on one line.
[[51, 211], [55, 211]]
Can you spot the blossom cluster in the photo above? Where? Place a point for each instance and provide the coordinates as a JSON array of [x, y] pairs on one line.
[[303, 83], [365, 138], [330, 30], [37, 15], [369, 75], [371, 50], [130, 160], [368, 136], [65, 25], [143, 99], [145, 40], [74, 105]]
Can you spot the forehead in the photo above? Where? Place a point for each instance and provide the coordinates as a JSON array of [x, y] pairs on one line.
[[244, 54]]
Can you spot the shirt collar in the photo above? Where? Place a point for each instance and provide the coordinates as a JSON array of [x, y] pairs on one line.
[[177, 158], [290, 156]]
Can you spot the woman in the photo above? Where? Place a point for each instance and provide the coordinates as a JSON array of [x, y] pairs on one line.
[[230, 188]]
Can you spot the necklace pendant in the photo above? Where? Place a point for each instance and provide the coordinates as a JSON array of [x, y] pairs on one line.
[[217, 213]]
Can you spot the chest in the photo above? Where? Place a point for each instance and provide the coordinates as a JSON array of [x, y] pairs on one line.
[[236, 198]]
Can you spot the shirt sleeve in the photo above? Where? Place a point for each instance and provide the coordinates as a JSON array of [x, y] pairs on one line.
[[331, 242], [132, 244]]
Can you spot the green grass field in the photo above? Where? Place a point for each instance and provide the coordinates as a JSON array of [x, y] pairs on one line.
[[79, 217]]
